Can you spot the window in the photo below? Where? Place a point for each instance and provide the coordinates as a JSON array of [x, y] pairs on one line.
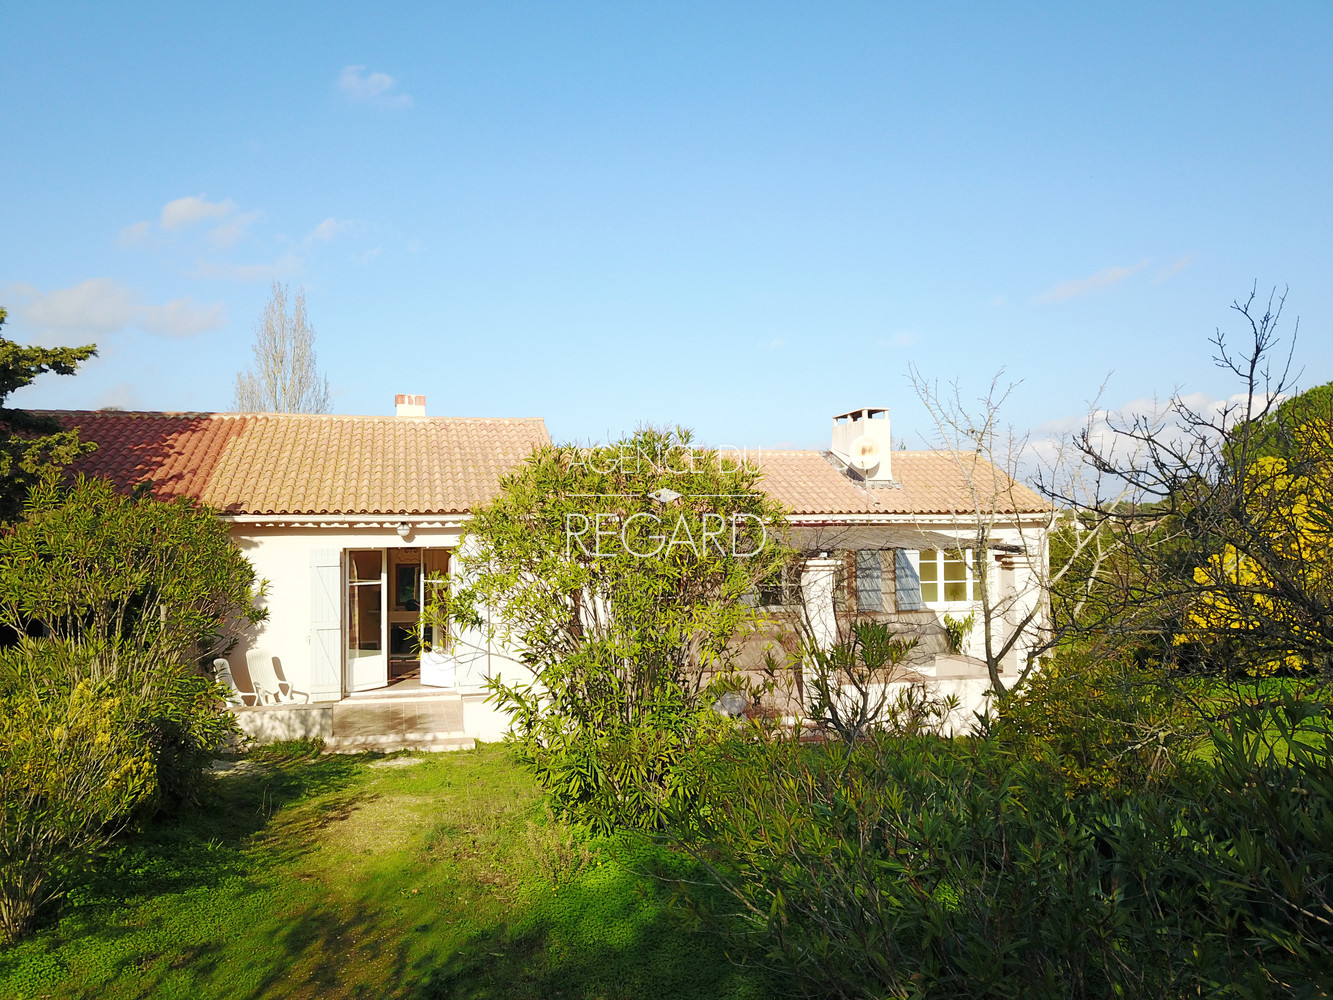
[[435, 584], [844, 580], [365, 585], [946, 577], [783, 588]]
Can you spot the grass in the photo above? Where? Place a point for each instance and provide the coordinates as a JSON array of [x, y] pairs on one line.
[[429, 876]]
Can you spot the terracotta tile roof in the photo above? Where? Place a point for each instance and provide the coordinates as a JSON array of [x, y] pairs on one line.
[[932, 483], [280, 463]]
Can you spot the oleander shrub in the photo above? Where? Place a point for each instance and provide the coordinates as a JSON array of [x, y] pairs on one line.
[[625, 574], [920, 866], [131, 594]]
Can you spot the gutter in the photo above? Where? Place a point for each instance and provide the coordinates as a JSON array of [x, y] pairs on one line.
[[347, 520]]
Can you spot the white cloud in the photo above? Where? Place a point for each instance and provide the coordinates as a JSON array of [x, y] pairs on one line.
[[777, 343], [371, 88], [1075, 287], [182, 318], [285, 266], [327, 230], [95, 306], [134, 235], [234, 229], [1050, 440], [903, 338], [99, 307], [1172, 270], [194, 208]]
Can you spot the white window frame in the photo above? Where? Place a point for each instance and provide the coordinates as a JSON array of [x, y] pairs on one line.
[[788, 586], [969, 568]]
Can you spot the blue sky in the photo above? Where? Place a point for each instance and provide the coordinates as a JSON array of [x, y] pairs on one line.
[[740, 217]]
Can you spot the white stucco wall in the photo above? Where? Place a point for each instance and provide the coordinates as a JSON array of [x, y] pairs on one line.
[[281, 555], [1013, 593]]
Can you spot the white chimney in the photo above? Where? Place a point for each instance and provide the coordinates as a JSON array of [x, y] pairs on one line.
[[409, 406], [861, 440]]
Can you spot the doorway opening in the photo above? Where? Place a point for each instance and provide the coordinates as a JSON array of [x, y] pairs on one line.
[[387, 590]]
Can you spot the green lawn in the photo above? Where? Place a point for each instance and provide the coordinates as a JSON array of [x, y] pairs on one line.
[[408, 876]]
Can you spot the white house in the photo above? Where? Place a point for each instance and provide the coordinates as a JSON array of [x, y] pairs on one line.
[[352, 520], [892, 535]]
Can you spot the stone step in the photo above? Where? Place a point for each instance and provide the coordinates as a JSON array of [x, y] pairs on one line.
[[397, 719], [427, 742]]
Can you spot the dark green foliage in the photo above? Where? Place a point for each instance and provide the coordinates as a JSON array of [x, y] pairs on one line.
[[1105, 724], [1278, 434], [112, 601], [130, 594], [925, 867], [32, 446]]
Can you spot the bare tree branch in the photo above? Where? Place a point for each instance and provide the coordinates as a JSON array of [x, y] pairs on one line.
[[284, 378]]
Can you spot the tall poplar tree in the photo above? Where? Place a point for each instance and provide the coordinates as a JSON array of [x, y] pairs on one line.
[[284, 377]]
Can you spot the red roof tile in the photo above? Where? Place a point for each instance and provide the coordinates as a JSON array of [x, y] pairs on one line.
[[281, 463], [930, 482]]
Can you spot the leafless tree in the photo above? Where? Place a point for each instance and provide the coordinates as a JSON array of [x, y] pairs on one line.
[[1223, 515], [284, 377], [1007, 524]]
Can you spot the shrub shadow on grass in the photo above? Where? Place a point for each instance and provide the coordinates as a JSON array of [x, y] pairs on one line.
[[206, 844], [224, 848], [610, 934]]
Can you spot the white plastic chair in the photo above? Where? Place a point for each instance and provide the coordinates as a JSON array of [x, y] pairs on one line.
[[264, 679], [235, 696]]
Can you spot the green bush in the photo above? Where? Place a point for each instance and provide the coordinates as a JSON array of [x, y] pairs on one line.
[[614, 774], [71, 773], [1105, 724], [130, 594], [607, 566], [915, 866], [186, 727]]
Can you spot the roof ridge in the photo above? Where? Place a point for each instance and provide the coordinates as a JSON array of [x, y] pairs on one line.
[[233, 414], [895, 451]]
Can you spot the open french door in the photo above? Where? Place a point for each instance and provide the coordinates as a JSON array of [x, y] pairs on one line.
[[437, 665], [367, 611]]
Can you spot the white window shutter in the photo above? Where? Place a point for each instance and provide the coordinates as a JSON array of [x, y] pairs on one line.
[[326, 645]]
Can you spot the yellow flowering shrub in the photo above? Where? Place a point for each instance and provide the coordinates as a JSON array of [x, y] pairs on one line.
[[71, 773], [1273, 590]]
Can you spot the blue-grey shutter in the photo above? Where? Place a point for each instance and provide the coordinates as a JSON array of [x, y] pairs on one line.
[[869, 581], [909, 584]]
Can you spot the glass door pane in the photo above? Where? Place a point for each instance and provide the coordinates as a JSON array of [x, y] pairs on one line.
[[434, 590], [366, 660], [437, 665]]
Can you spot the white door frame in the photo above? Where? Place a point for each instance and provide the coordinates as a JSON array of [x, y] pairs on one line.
[[366, 673]]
